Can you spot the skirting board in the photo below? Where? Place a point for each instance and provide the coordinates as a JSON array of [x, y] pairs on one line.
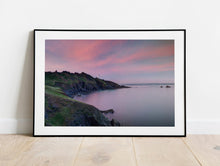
[[16, 126], [203, 126], [25, 126]]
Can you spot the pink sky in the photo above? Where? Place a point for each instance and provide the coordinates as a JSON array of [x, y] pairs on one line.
[[122, 61]]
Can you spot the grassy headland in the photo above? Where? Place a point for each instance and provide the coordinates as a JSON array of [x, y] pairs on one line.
[[60, 107], [78, 83]]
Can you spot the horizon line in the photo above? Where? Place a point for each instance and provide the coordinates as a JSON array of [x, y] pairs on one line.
[[118, 82], [148, 83]]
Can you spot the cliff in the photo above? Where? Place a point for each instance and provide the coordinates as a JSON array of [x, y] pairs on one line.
[[78, 83], [61, 110]]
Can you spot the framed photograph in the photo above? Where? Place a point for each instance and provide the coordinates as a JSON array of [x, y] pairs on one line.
[[109, 82]]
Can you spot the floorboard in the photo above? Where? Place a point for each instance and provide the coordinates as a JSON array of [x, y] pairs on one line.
[[206, 148], [106, 151], [194, 150], [163, 152], [50, 151]]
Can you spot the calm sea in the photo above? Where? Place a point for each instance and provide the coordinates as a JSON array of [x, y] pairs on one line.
[[140, 105]]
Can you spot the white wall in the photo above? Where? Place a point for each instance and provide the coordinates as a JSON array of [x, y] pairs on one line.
[[200, 18]]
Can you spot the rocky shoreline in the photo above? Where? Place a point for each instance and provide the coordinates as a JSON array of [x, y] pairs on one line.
[[78, 83], [62, 110]]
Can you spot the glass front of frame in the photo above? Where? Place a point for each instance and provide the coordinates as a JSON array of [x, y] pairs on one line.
[[109, 83]]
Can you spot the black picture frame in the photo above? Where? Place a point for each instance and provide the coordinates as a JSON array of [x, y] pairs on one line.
[[107, 30]]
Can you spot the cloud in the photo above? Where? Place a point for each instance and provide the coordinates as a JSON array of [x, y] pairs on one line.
[[110, 56]]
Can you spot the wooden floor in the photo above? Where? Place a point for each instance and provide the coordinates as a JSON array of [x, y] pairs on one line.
[[194, 150]]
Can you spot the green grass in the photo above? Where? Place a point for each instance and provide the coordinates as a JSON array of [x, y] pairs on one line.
[[65, 105], [60, 117], [83, 79], [57, 120], [103, 82], [56, 91]]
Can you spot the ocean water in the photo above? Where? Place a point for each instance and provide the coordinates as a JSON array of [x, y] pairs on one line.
[[140, 105]]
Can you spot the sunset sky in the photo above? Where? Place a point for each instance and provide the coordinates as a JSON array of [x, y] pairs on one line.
[[121, 61]]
